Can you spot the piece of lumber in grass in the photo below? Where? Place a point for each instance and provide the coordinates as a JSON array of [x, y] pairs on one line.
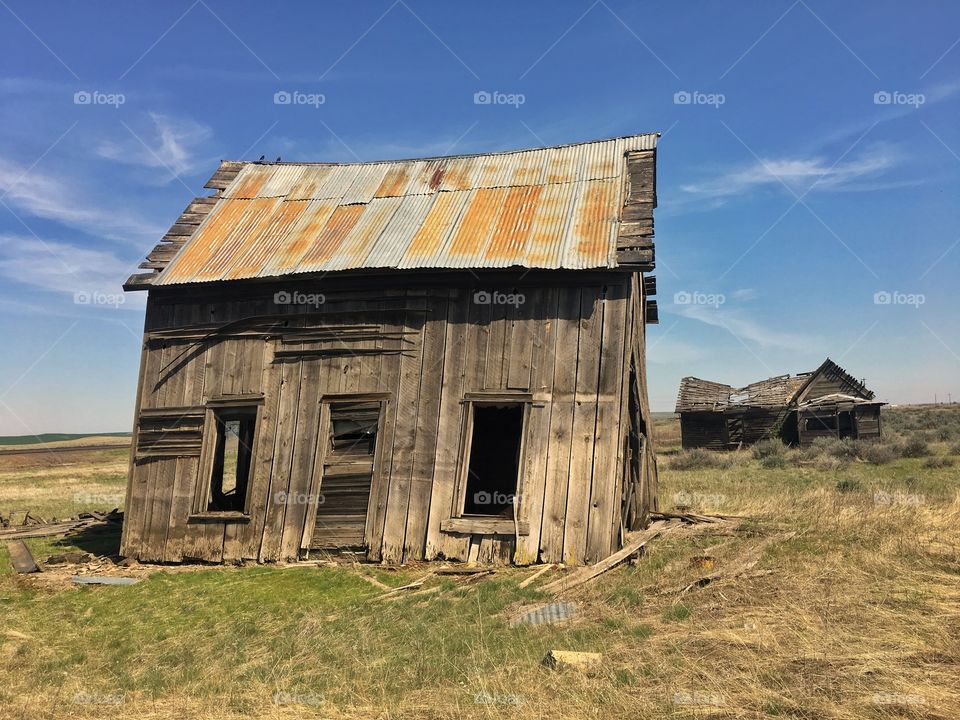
[[742, 568], [416, 584], [21, 558], [589, 572], [583, 661], [461, 570], [103, 580], [36, 531], [537, 574]]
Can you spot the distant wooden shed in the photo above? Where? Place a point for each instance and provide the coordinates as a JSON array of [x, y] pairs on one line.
[[418, 359], [828, 402]]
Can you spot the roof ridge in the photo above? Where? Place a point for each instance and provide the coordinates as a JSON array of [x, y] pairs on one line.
[[655, 134]]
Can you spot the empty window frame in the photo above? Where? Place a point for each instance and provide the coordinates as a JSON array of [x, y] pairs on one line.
[[235, 431], [821, 423], [492, 458]]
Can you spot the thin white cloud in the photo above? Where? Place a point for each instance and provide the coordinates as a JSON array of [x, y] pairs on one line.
[[64, 268], [171, 144], [799, 174], [747, 329], [58, 199]]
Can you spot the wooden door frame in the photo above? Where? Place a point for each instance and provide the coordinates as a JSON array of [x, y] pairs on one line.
[[316, 481]]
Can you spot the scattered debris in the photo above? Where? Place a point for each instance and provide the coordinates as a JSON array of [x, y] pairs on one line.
[[583, 661], [20, 557], [68, 558], [707, 562], [589, 572], [546, 615], [741, 569], [537, 574], [103, 580], [462, 570], [83, 521], [416, 584]]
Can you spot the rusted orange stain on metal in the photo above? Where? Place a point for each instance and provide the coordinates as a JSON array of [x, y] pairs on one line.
[[514, 224], [592, 227], [258, 248], [224, 217], [340, 223], [295, 245], [394, 182], [426, 242], [256, 216], [250, 186], [477, 221]]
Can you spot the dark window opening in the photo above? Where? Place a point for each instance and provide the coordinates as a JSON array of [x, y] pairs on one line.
[[845, 424], [822, 423], [494, 463], [231, 460]]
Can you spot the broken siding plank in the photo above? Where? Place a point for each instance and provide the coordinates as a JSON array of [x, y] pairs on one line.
[[405, 438], [493, 378], [533, 473], [584, 426], [448, 430], [282, 461], [428, 419], [603, 498], [561, 426], [304, 451]]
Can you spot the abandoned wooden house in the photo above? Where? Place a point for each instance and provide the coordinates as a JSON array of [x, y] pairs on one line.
[[827, 402], [418, 359]]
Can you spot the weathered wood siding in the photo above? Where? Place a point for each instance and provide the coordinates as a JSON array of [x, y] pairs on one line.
[[570, 345]]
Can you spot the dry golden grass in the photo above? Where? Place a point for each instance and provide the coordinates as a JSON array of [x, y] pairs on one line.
[[856, 616]]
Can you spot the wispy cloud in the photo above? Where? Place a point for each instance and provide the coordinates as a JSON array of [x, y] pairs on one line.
[[800, 174], [61, 267], [58, 199], [747, 329], [172, 144]]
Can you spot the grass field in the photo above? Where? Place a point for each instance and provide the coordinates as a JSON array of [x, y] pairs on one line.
[[857, 615]]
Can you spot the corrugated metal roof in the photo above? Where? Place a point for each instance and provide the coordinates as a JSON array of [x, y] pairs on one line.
[[545, 208]]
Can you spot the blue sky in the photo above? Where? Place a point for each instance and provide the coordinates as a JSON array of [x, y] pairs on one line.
[[808, 173]]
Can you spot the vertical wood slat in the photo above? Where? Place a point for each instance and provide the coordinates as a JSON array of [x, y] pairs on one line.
[[404, 438], [432, 370], [561, 426], [603, 498], [448, 430], [536, 451], [584, 427]]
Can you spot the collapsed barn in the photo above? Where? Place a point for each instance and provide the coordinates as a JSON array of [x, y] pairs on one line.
[[419, 359], [827, 402]]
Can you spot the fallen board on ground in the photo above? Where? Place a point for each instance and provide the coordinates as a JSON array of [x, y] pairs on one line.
[[21, 558]]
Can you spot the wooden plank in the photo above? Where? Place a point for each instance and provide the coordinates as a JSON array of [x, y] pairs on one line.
[[282, 462], [584, 426], [604, 501], [404, 442], [428, 421], [537, 441], [524, 321], [561, 426], [20, 557], [493, 377], [450, 412]]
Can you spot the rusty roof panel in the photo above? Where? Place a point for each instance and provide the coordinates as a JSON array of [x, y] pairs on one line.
[[544, 208]]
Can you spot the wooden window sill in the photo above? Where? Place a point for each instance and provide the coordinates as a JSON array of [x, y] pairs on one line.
[[477, 525], [212, 516]]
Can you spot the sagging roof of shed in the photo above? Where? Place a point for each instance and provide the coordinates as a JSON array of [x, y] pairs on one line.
[[698, 395], [550, 208]]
